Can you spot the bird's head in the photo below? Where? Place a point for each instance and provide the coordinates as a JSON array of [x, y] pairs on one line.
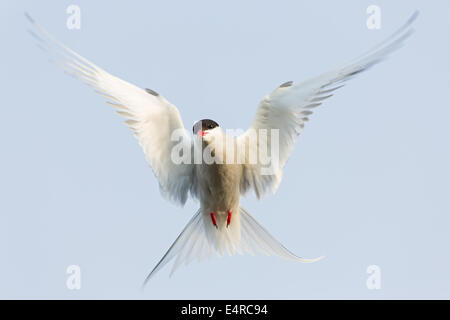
[[205, 128]]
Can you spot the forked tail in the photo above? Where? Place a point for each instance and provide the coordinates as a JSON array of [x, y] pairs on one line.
[[200, 240]]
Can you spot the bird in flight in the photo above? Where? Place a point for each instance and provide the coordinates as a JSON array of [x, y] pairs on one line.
[[220, 225]]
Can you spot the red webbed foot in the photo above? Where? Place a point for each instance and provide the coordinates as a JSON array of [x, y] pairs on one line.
[[229, 218], [213, 218]]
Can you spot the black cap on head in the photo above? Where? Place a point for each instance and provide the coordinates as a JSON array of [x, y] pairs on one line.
[[205, 124]]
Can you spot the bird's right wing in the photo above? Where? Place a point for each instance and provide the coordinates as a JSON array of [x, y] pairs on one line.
[[151, 117]]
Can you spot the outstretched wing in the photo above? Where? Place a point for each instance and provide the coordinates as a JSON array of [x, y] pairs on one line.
[[289, 106], [151, 117]]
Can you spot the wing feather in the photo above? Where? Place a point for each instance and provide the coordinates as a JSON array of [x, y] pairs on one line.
[[149, 115], [289, 106]]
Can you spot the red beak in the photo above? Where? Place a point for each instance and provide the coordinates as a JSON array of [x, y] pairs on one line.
[[202, 133]]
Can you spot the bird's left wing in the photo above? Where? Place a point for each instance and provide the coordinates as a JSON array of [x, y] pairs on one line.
[[287, 109], [151, 117]]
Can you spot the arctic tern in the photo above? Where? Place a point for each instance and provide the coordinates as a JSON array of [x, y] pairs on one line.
[[220, 225]]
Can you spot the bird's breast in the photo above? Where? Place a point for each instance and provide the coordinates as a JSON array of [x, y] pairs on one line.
[[218, 186]]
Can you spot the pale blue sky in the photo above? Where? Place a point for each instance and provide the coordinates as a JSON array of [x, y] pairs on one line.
[[368, 181]]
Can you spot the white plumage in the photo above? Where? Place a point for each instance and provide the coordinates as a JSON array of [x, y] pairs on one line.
[[218, 187]]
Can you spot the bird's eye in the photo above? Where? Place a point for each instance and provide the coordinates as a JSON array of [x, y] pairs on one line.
[[210, 126]]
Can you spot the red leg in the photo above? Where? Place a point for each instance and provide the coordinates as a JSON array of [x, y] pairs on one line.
[[213, 218], [229, 218]]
